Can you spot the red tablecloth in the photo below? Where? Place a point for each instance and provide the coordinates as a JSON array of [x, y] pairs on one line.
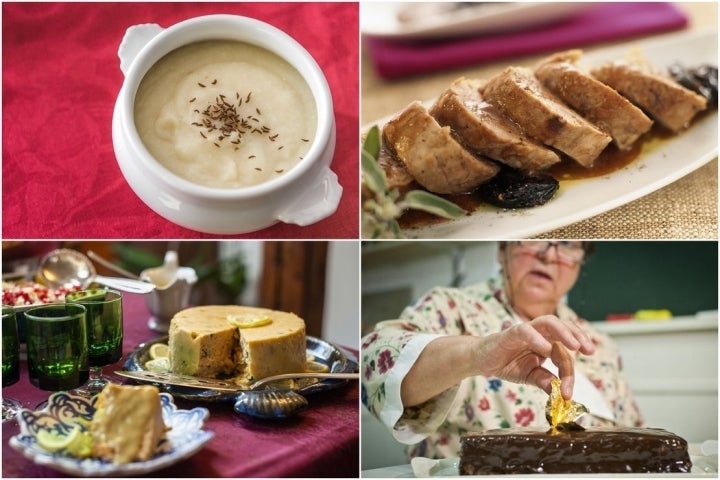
[[322, 441], [61, 76]]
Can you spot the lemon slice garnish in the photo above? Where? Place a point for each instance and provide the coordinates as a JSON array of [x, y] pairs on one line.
[[249, 320], [316, 367], [77, 442], [159, 350], [158, 365], [81, 445]]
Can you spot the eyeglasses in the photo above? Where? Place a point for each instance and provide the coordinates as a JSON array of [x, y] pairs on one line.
[[567, 252]]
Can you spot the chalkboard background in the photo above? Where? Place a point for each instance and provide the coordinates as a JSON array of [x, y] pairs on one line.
[[623, 277]]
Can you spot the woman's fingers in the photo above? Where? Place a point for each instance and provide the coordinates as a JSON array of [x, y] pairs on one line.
[[550, 337], [564, 331], [566, 369], [544, 337], [542, 378]]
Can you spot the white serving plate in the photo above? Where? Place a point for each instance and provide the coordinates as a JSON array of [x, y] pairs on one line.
[[381, 18], [657, 166], [184, 438]]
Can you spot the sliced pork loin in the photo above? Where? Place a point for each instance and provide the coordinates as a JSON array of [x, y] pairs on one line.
[[595, 101], [520, 95], [432, 156], [396, 175], [662, 98], [482, 128]]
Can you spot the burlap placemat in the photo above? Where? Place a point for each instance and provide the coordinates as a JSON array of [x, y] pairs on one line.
[[686, 209]]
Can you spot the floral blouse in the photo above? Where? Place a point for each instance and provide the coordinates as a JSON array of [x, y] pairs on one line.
[[433, 429]]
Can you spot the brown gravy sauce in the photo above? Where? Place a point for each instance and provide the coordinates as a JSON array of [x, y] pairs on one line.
[[610, 160]]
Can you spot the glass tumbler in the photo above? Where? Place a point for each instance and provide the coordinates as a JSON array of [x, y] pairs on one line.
[[57, 346], [10, 360], [104, 320]]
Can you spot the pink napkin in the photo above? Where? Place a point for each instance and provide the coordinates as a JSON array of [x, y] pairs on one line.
[[604, 22]]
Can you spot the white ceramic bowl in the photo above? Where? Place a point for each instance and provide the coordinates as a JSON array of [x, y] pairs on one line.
[[306, 194]]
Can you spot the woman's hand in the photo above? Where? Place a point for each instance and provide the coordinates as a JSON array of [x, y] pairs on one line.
[[517, 354]]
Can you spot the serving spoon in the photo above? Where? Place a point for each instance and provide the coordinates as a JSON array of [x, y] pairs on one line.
[[109, 265], [65, 267], [278, 403]]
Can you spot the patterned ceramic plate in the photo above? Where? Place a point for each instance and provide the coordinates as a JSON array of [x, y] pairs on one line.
[[184, 438]]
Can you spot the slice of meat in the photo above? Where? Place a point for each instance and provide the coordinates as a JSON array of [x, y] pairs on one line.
[[662, 98], [482, 128], [595, 101], [521, 96], [432, 156], [397, 176]]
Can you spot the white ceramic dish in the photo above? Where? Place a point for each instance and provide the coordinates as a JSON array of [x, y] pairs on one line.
[[304, 195], [381, 18], [576, 200], [184, 438]]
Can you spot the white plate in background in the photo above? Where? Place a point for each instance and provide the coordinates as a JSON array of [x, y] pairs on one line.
[[445, 19]]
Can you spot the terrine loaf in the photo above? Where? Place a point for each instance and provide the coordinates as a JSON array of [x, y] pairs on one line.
[[599, 450], [662, 97], [128, 424], [432, 155], [520, 95], [239, 342], [598, 103]]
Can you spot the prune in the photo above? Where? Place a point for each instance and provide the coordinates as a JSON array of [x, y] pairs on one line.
[[702, 80], [511, 188]]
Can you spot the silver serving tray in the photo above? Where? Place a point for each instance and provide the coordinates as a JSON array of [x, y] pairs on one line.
[[324, 352]]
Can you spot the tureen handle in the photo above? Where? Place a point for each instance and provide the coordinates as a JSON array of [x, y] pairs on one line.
[[136, 37], [317, 203]]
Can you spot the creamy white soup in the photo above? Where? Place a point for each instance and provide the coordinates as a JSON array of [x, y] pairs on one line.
[[225, 114]]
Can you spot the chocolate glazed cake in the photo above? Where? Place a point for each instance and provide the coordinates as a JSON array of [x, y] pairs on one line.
[[597, 450]]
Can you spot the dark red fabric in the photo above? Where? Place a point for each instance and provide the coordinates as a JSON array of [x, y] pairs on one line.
[[61, 76], [322, 441], [600, 23]]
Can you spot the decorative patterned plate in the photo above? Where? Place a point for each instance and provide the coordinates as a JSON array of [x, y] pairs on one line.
[[184, 438], [324, 352]]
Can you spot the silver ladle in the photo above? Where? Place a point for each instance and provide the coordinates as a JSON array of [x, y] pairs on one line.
[[109, 265], [64, 267]]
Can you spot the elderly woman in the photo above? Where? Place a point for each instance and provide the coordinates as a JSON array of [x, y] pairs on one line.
[[484, 356]]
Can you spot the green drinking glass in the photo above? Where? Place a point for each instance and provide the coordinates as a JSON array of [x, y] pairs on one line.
[[10, 361], [104, 320], [57, 346]]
